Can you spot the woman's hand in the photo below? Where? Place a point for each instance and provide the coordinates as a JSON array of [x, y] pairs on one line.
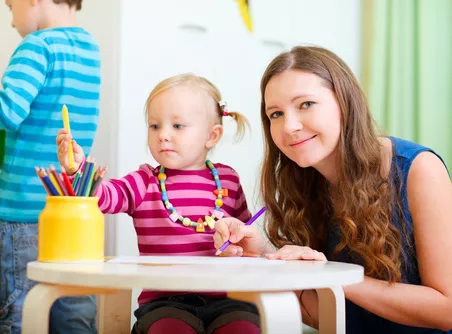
[[245, 240], [292, 252], [62, 140]]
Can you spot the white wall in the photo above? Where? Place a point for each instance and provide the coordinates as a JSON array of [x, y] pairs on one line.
[[9, 37], [102, 19]]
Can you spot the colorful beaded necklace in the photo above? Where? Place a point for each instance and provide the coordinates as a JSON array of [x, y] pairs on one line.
[[201, 223]]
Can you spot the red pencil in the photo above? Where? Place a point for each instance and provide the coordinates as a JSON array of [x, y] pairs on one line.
[[67, 182]]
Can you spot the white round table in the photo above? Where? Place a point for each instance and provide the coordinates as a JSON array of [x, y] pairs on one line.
[[270, 287]]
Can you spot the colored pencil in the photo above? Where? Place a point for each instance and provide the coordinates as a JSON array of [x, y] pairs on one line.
[[59, 180], [70, 152], [67, 182], [249, 222], [43, 175]]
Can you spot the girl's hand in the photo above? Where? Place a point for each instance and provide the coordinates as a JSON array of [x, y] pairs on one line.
[[62, 141], [245, 240], [292, 252]]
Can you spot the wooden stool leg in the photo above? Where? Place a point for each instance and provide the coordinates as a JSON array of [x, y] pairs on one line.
[[38, 302], [331, 310], [279, 311], [115, 311]]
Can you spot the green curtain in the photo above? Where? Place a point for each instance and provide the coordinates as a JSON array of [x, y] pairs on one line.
[[407, 69], [2, 147]]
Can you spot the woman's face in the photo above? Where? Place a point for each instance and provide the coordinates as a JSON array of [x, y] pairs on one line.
[[305, 118]]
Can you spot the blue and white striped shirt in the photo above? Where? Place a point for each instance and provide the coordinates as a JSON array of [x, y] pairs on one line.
[[50, 68]]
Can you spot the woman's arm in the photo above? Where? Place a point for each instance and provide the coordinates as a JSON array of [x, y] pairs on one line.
[[429, 305], [309, 307]]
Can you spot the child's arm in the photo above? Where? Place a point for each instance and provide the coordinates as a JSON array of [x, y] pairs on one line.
[[22, 81], [125, 194], [430, 304], [62, 141]]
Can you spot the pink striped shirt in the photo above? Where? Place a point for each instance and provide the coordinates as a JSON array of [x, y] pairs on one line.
[[190, 192]]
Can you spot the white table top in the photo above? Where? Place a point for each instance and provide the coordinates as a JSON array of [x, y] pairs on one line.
[[291, 275]]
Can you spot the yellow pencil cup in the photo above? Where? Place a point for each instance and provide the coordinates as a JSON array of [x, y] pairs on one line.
[[71, 229]]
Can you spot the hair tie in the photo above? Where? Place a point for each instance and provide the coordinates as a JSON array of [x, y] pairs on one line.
[[224, 108]]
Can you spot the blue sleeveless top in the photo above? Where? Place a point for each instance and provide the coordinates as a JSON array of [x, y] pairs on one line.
[[359, 320]]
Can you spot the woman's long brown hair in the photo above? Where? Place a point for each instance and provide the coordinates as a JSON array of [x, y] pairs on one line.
[[301, 204]]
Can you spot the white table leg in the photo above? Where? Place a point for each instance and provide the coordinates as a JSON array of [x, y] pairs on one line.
[[279, 311], [37, 304], [114, 312], [331, 310]]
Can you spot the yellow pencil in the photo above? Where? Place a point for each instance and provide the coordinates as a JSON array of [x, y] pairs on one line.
[[244, 8], [55, 183], [70, 153]]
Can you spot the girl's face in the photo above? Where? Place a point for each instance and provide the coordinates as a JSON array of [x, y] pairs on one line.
[[181, 127], [305, 119]]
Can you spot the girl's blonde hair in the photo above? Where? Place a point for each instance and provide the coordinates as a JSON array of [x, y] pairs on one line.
[[204, 84], [303, 207]]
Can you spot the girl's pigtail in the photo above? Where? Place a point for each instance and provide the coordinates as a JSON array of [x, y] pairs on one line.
[[241, 120]]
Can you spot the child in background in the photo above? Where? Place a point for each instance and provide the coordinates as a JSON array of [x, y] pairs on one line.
[[332, 186], [174, 206], [57, 63]]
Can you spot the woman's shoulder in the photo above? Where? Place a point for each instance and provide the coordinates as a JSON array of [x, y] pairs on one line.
[[407, 149], [405, 152]]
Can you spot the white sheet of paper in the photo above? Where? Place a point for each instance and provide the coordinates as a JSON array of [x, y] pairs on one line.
[[212, 260]]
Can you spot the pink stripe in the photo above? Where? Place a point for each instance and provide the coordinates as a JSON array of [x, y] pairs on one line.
[[152, 204], [132, 192], [193, 212], [198, 253], [176, 248], [117, 198], [163, 230], [229, 203], [152, 195], [194, 202], [184, 239], [106, 207], [190, 192], [153, 222], [201, 178]]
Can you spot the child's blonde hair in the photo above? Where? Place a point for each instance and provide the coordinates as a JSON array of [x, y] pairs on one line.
[[201, 82]]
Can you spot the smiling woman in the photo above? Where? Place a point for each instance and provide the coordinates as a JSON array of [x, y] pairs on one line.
[[333, 188]]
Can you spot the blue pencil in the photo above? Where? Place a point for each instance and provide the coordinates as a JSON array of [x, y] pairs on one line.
[[84, 177], [48, 183], [249, 222]]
